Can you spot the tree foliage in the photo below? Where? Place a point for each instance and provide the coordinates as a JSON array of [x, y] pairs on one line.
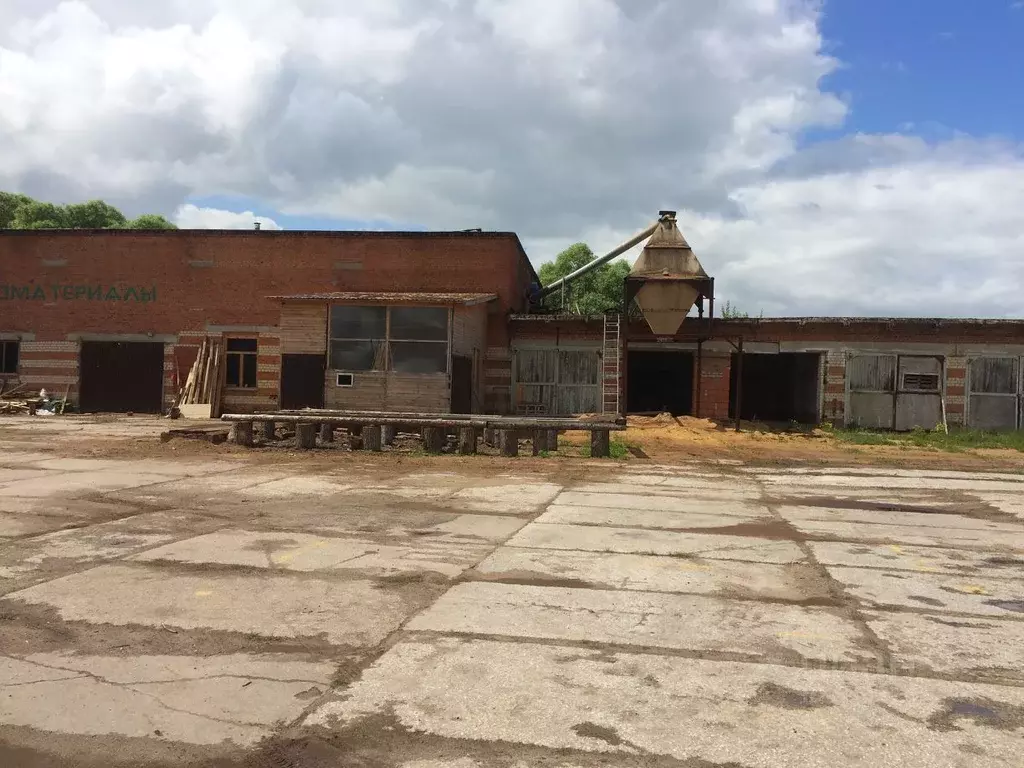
[[594, 293], [22, 212]]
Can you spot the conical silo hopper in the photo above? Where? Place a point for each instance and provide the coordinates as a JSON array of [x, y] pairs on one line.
[[669, 278]]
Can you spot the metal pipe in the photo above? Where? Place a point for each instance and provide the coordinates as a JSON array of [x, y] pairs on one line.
[[631, 243]]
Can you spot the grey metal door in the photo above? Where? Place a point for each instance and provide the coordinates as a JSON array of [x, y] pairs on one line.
[[995, 399]]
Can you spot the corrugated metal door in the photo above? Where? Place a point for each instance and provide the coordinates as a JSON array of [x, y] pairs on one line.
[[919, 393], [872, 383], [900, 392], [995, 396], [557, 382]]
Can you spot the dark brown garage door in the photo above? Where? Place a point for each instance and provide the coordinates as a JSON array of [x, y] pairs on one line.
[[118, 377]]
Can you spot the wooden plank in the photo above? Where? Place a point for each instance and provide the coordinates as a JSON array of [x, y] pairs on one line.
[[303, 329], [510, 423]]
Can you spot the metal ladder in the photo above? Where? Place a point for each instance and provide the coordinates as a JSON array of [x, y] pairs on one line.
[[610, 364]]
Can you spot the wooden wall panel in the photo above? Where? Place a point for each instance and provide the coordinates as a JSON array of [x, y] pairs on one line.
[[303, 329]]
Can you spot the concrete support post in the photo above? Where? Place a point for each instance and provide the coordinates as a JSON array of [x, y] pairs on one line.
[[388, 435], [305, 435], [540, 441], [372, 439], [489, 437], [600, 444], [269, 430], [467, 441], [243, 433], [326, 433], [433, 439], [552, 439], [509, 440]]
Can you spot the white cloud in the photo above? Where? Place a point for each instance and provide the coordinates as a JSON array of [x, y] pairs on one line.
[[560, 120], [193, 217]]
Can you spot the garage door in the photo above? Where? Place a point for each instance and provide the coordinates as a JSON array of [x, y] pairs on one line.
[[122, 377]]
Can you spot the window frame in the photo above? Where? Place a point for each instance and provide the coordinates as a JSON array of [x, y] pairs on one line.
[[4, 354], [240, 384], [388, 364]]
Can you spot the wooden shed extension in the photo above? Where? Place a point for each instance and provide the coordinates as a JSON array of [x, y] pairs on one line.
[[384, 351]]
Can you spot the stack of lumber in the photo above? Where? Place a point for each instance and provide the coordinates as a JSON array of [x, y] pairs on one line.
[[203, 393], [17, 400]]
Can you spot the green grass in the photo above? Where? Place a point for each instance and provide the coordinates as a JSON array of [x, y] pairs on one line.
[[617, 450], [957, 440]]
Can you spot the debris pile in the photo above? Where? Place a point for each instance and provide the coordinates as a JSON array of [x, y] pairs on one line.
[[17, 401]]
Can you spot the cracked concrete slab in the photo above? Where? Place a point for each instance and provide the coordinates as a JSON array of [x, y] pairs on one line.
[[658, 574], [654, 542], [934, 592], [303, 552], [354, 613], [705, 515], [707, 712], [197, 700], [63, 484], [920, 559], [288, 487], [962, 482], [11, 475], [512, 499], [997, 541], [648, 619], [984, 648], [52, 554], [627, 496], [906, 519], [477, 527]]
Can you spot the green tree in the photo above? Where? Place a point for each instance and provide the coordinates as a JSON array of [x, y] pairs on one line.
[[731, 312], [38, 215], [94, 214], [150, 221], [22, 212], [9, 205], [594, 293]]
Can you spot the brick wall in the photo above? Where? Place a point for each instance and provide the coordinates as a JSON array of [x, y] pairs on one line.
[[58, 283], [834, 406], [713, 381], [956, 388], [50, 365]]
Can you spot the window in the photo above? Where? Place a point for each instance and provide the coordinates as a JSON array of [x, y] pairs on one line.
[[419, 339], [9, 356], [358, 336], [401, 339], [241, 363]]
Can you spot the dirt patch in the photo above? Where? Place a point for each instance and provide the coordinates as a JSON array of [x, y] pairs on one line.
[[528, 579], [1016, 606], [980, 711], [26, 629], [925, 600], [590, 730], [957, 624], [775, 529], [770, 694], [382, 741]]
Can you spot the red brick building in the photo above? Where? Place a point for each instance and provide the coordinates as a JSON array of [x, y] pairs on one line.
[[442, 321]]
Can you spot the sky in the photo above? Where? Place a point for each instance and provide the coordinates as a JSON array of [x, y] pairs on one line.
[[826, 157]]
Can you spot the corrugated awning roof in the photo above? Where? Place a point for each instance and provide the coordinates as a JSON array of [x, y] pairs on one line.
[[383, 297]]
